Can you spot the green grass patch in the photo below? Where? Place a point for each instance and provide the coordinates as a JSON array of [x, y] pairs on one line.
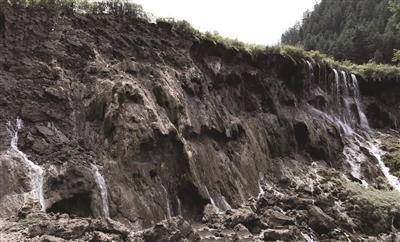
[[393, 163], [26, 222], [373, 197]]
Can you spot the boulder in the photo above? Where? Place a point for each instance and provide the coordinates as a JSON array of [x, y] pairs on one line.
[[175, 229], [319, 221], [277, 234], [278, 219]]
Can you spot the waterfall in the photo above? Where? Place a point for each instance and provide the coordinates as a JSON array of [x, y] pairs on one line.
[[377, 153], [363, 119], [262, 192], [179, 205], [217, 209], [310, 74], [337, 83], [349, 121], [345, 85], [227, 205], [103, 190], [343, 128], [169, 214], [35, 171]]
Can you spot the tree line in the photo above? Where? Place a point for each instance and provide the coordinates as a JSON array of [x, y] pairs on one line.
[[357, 30], [115, 7]]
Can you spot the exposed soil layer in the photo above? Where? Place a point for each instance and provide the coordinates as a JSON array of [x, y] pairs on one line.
[[173, 123]]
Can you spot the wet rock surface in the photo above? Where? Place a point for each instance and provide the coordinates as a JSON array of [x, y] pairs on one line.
[[194, 141]]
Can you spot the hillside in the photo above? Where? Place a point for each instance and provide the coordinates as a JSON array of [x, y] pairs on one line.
[[117, 129], [354, 30]]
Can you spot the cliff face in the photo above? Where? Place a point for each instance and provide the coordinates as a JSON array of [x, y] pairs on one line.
[[172, 122]]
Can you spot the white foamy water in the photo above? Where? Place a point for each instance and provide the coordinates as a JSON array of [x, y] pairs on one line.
[[226, 204], [103, 190], [217, 209], [169, 214], [337, 83], [377, 153], [35, 171], [363, 119], [344, 78], [310, 74], [260, 188], [343, 127]]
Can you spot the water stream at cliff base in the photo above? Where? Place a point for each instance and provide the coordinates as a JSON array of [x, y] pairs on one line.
[[35, 171]]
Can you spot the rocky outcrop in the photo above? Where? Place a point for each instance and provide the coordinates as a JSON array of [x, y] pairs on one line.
[[173, 123]]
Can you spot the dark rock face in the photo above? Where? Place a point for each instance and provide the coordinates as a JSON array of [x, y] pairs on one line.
[[319, 221], [381, 104], [172, 123]]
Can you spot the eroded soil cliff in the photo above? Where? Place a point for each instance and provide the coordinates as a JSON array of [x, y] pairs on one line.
[[173, 123]]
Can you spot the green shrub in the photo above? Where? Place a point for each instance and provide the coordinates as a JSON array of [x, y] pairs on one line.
[[393, 163]]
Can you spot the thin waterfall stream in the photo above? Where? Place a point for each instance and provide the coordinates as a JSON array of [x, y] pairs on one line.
[[217, 209], [35, 171], [169, 213], [103, 190]]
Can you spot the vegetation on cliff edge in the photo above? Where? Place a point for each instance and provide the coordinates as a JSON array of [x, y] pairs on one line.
[[126, 8]]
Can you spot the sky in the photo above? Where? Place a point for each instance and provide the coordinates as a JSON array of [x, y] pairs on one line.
[[251, 21]]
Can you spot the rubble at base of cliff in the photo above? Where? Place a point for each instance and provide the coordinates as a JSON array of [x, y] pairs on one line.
[[329, 210]]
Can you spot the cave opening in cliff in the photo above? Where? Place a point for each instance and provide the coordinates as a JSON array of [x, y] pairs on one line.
[[78, 205], [192, 202], [2, 22], [301, 133]]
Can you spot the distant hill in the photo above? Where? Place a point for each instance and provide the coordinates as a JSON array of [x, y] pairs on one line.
[[355, 30]]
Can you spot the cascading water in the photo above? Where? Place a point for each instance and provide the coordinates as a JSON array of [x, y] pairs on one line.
[[169, 214], [363, 119], [310, 74], [377, 153], [345, 85], [35, 171], [343, 128], [179, 205], [226, 204], [217, 209], [348, 120], [103, 190], [337, 83], [260, 188]]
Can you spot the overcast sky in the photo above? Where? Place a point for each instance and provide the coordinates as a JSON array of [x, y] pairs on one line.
[[251, 21]]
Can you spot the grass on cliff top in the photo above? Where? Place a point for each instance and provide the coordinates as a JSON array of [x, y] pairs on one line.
[[121, 8]]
